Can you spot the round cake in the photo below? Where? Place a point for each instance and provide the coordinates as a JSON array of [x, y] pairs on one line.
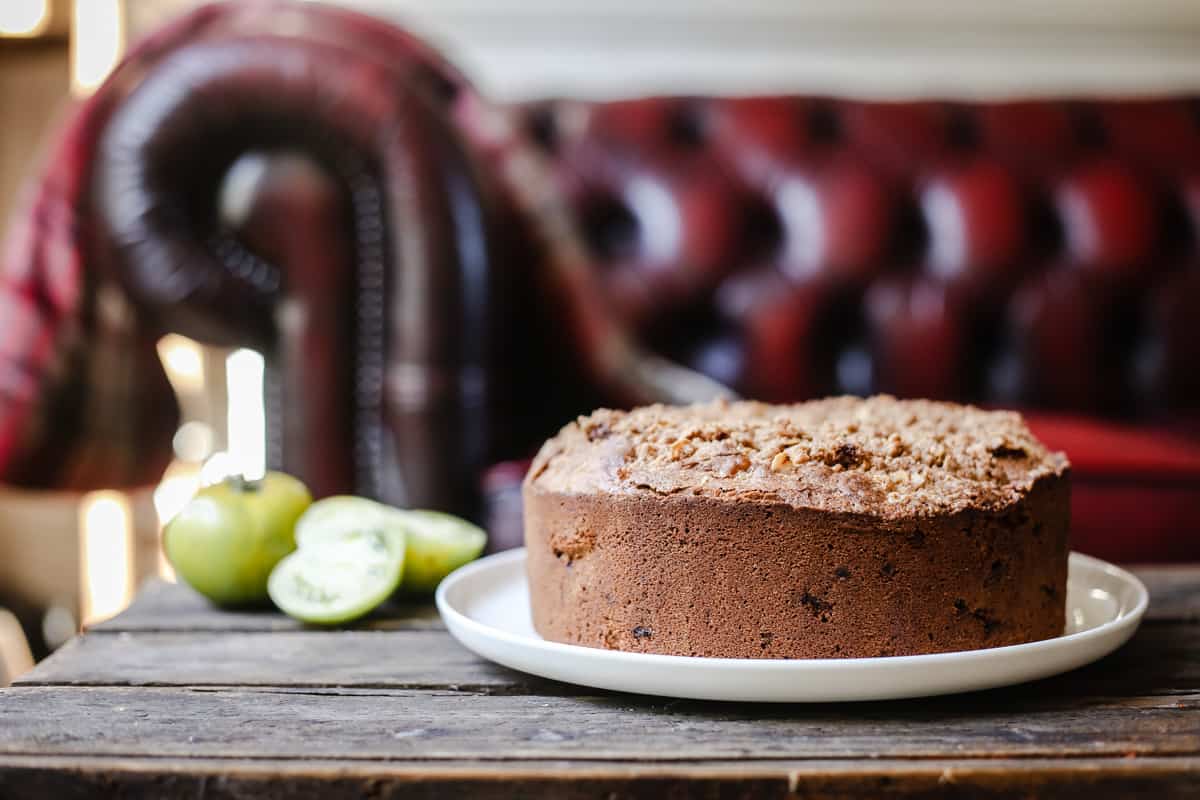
[[832, 529]]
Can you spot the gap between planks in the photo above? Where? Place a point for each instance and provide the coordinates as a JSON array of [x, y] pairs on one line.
[[534, 767], [287, 724], [1163, 777]]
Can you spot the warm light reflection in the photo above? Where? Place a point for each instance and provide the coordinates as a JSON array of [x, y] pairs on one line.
[[15, 657], [193, 441], [24, 17], [217, 468], [246, 420], [178, 486], [106, 541], [183, 361], [97, 36], [163, 567]]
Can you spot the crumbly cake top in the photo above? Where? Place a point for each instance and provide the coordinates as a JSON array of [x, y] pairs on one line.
[[878, 456]]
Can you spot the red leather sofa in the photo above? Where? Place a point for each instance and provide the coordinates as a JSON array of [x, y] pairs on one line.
[[440, 281]]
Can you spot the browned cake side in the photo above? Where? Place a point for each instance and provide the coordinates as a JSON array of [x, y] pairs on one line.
[[838, 528]]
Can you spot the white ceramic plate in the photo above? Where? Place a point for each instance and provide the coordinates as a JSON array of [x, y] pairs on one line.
[[486, 607]]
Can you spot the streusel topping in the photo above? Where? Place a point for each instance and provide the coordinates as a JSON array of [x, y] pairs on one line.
[[879, 456]]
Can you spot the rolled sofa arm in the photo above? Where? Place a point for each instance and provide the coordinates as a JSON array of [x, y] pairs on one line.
[[361, 263], [365, 279]]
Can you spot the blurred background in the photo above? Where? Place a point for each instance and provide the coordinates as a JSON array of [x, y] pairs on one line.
[[393, 263]]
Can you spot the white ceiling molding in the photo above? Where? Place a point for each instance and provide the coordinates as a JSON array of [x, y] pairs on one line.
[[520, 49]]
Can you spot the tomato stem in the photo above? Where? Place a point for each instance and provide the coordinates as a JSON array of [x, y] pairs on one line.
[[241, 483]]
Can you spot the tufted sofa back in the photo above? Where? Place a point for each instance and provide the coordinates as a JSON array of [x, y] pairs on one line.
[[1041, 254]]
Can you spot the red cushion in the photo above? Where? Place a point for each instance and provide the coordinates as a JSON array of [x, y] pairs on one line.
[[1135, 494]]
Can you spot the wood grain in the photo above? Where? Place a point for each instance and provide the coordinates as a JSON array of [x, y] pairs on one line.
[[162, 606], [1161, 659], [176, 697], [221, 779], [1174, 592], [356, 724], [409, 660]]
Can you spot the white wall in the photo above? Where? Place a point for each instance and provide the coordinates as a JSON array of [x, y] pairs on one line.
[[604, 48]]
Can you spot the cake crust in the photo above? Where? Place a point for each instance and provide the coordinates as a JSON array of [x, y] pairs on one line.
[[838, 528]]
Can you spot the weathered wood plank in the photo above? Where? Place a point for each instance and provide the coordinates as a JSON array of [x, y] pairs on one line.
[[385, 724], [1162, 658], [1174, 591], [163, 606], [403, 660], [418, 716], [219, 779]]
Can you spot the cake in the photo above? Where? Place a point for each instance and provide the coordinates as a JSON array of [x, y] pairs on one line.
[[837, 528]]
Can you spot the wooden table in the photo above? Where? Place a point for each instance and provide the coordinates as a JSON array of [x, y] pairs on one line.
[[174, 698]]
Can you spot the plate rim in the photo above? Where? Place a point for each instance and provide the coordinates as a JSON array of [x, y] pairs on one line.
[[1124, 619]]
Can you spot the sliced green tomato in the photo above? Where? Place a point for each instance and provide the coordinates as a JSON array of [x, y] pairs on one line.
[[437, 544], [338, 515], [339, 578]]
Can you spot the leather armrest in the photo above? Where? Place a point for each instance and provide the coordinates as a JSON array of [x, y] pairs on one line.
[[354, 247]]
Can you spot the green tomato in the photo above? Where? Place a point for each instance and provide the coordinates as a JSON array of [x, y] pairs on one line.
[[226, 541], [436, 543], [339, 578]]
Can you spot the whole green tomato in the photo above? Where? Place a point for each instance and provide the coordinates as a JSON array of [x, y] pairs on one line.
[[226, 541]]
